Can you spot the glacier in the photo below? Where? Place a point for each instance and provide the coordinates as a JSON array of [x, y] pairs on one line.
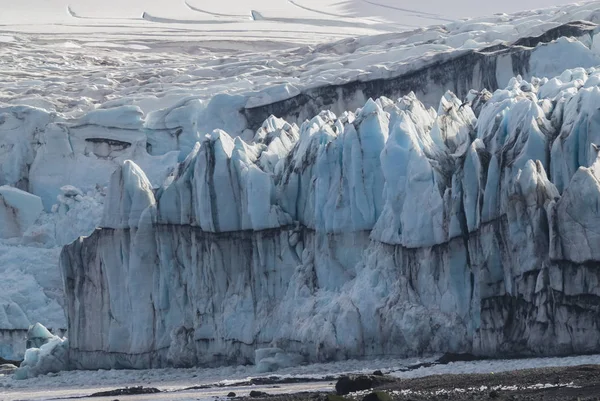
[[399, 194], [392, 230]]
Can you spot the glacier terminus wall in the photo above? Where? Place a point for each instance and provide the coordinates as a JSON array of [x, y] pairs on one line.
[[393, 230]]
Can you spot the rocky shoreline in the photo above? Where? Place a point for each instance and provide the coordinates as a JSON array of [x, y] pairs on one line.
[[579, 383], [560, 383]]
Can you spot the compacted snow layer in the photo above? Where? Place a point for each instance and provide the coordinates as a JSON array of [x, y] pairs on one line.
[[295, 21], [392, 230]]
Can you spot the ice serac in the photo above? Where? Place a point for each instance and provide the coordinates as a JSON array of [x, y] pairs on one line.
[[20, 131], [574, 237], [332, 182], [18, 211], [130, 194], [222, 186], [392, 229]]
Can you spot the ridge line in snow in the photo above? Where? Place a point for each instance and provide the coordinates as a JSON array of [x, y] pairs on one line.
[[78, 16], [151, 18], [199, 10], [294, 3], [257, 16], [73, 14]]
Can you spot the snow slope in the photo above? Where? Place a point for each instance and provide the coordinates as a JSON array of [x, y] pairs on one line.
[[84, 89], [292, 21]]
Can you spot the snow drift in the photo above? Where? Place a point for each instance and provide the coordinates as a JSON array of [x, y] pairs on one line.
[[394, 230]]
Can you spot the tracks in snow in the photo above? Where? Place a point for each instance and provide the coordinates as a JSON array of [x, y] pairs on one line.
[[255, 16]]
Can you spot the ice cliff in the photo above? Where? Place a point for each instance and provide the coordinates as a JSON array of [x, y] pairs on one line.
[[392, 230]]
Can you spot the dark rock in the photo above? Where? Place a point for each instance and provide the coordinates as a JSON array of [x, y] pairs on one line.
[[9, 362], [351, 383], [231, 394], [494, 394], [255, 394], [127, 391], [452, 357], [377, 396], [378, 373]]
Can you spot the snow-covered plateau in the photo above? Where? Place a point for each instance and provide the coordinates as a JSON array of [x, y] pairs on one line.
[[406, 193]]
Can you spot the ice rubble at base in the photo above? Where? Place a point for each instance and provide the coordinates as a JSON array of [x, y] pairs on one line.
[[45, 353], [31, 289], [394, 230], [271, 359]]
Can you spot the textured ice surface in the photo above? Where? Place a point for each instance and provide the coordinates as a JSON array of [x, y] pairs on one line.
[[400, 231], [18, 211]]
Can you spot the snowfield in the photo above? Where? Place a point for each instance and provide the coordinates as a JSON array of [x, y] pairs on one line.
[[289, 21], [392, 207]]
